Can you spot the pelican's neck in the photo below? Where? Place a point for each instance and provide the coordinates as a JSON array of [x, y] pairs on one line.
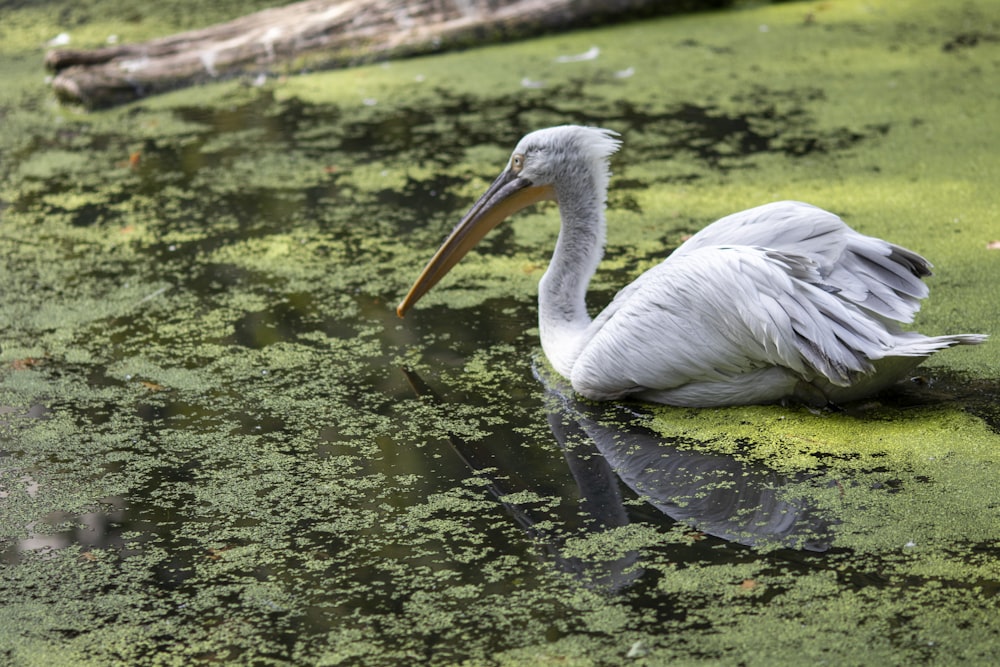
[[562, 308]]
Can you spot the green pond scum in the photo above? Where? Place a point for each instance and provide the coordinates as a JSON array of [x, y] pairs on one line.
[[218, 444]]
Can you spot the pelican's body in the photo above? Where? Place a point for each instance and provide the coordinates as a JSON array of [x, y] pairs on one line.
[[780, 301]]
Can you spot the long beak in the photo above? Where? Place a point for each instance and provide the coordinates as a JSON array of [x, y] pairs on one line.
[[508, 195]]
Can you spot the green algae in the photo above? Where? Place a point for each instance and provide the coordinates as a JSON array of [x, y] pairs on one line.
[[210, 451], [900, 471], [782, 436]]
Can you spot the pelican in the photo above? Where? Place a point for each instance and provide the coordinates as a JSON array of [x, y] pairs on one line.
[[775, 303]]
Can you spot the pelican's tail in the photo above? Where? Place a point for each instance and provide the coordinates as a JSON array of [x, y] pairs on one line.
[[912, 344], [911, 349]]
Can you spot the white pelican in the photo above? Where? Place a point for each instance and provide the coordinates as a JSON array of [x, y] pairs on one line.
[[776, 302]]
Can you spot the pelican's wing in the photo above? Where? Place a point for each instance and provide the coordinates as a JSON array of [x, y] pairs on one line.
[[718, 313], [791, 226], [879, 276]]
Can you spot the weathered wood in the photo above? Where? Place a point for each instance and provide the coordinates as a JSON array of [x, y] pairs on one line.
[[313, 33]]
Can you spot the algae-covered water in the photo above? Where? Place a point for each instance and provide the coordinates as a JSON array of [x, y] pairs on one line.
[[218, 444]]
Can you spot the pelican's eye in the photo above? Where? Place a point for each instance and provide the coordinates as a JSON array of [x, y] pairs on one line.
[[517, 163]]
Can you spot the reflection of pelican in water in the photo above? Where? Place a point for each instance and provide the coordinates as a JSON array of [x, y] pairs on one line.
[[777, 301], [604, 446], [716, 494]]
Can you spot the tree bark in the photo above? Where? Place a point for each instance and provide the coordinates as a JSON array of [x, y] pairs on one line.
[[312, 34]]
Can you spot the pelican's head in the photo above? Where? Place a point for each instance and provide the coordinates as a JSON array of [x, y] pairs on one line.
[[544, 163], [564, 154]]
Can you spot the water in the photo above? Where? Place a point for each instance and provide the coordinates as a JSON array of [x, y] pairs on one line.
[[221, 444]]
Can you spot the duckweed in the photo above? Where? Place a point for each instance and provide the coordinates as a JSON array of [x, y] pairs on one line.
[[218, 444]]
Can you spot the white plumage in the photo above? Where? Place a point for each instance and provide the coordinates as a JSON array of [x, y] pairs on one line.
[[779, 301]]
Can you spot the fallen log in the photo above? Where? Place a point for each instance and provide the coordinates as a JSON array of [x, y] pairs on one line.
[[316, 34]]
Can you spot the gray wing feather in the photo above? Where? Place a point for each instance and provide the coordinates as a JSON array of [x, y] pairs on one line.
[[876, 275], [715, 313]]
